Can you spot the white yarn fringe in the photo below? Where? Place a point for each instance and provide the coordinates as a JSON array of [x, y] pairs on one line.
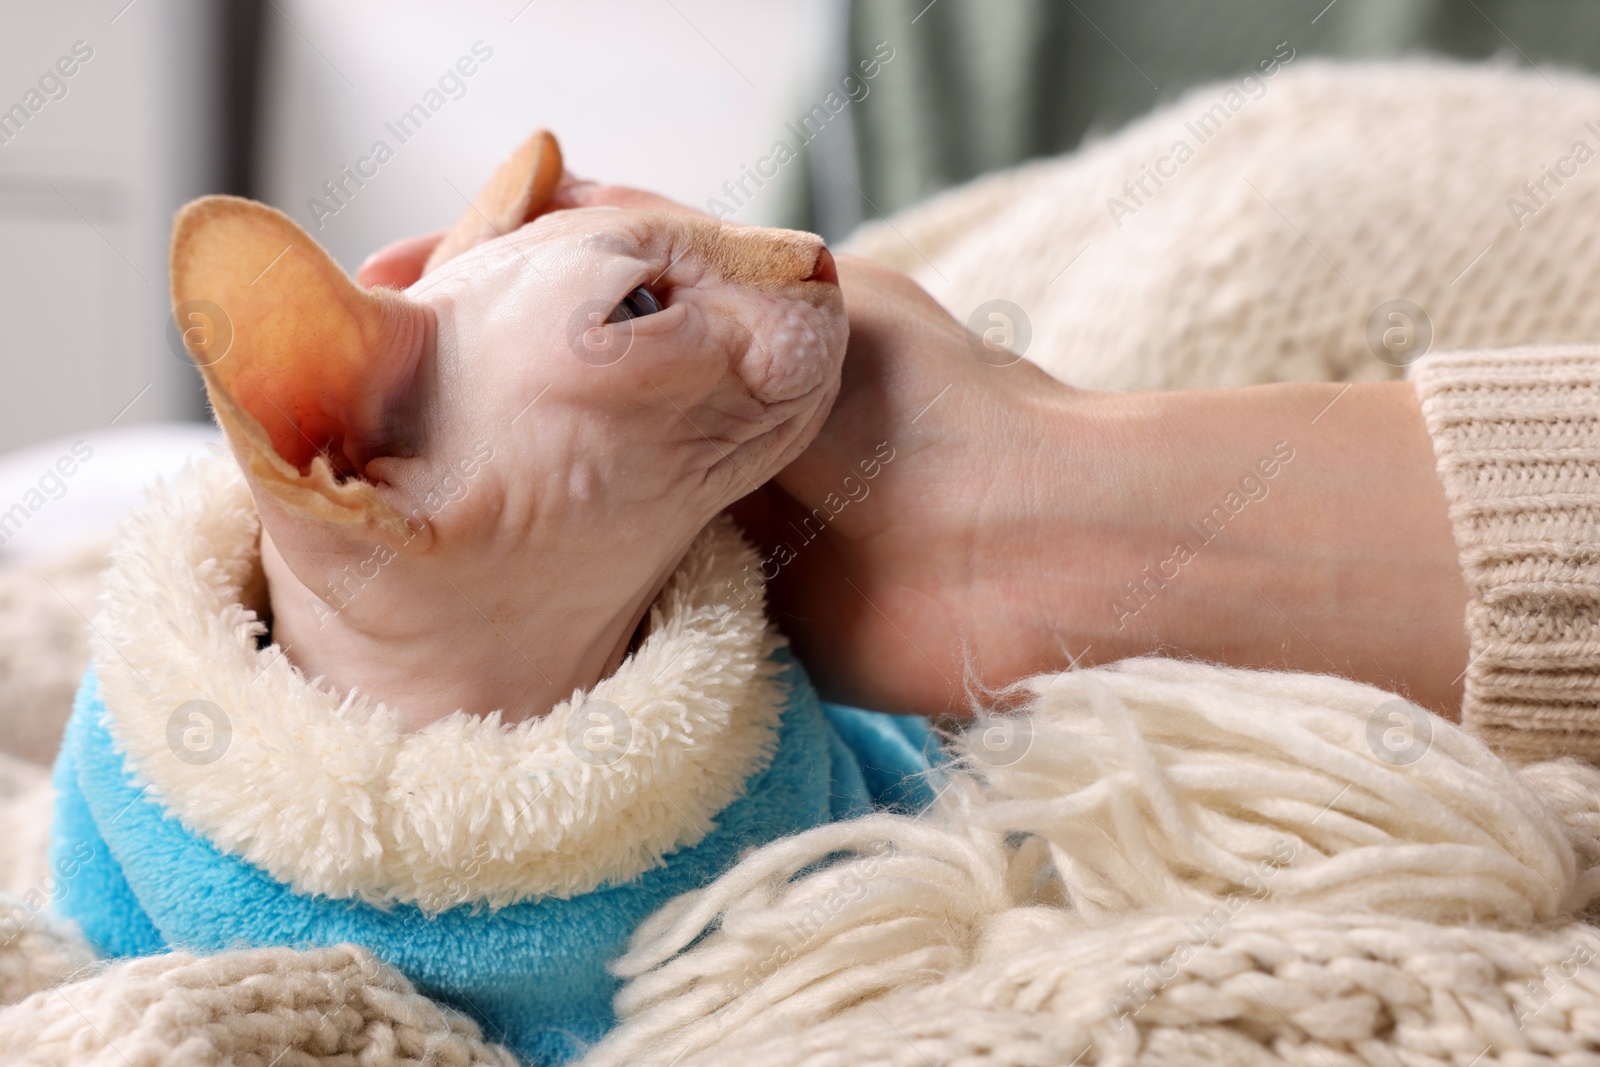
[[1184, 864]]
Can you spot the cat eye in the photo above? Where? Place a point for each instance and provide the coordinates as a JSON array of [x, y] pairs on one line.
[[636, 305]]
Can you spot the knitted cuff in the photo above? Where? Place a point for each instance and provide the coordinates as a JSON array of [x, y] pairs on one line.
[[1516, 434]]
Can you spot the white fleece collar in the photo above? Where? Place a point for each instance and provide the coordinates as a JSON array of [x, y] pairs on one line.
[[330, 796]]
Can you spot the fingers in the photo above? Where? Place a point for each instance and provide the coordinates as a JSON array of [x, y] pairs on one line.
[[578, 192], [399, 264]]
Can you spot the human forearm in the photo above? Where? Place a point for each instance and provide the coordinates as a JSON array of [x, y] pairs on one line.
[[1293, 526]]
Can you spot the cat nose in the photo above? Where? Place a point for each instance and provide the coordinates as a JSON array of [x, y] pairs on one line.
[[824, 270]]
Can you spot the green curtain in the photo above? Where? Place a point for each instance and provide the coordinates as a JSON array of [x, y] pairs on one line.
[[978, 85]]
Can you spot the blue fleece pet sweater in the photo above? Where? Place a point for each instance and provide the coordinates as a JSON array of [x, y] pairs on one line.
[[534, 972]]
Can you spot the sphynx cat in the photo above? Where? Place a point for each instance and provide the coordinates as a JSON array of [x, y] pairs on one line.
[[603, 381]]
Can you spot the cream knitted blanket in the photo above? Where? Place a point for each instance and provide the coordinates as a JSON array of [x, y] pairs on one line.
[[1471, 192], [1154, 862]]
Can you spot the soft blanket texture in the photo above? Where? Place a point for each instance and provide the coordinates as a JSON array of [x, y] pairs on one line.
[[1262, 256], [498, 867]]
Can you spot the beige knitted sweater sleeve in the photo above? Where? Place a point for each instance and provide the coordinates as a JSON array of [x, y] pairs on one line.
[[1516, 435]]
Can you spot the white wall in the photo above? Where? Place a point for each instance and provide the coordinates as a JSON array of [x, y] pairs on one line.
[[671, 96], [88, 185]]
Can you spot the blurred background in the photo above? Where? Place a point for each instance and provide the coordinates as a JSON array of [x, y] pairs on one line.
[[368, 121]]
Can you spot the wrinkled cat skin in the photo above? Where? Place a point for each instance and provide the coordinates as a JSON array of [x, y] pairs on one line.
[[472, 490]]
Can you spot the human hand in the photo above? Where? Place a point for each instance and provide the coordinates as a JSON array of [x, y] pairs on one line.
[[882, 544], [958, 526]]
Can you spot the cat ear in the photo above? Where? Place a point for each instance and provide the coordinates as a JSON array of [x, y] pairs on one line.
[[308, 373], [514, 195]]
